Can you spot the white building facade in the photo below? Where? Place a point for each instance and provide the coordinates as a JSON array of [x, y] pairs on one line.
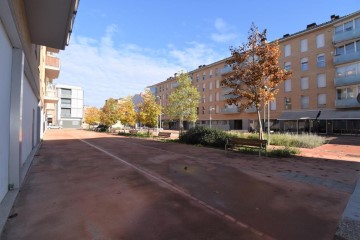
[[70, 109]]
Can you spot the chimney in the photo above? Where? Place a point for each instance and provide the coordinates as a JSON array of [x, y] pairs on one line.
[[311, 25], [286, 35]]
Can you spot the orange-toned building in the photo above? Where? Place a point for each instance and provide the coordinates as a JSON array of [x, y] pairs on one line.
[[322, 95]]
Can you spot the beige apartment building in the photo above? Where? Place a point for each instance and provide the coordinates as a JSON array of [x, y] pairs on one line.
[[322, 95], [31, 33]]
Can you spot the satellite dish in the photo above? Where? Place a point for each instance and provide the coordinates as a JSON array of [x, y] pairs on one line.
[[358, 98]]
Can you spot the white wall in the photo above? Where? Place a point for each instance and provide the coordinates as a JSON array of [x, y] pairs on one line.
[[29, 121], [5, 89]]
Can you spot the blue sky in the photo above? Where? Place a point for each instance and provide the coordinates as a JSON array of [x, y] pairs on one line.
[[118, 48]]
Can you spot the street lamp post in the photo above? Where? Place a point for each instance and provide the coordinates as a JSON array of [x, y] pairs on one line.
[[159, 124], [211, 108]]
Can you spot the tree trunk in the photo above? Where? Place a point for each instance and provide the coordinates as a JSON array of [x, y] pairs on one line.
[[260, 124]]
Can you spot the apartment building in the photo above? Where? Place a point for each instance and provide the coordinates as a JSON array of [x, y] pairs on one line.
[[322, 94], [28, 30], [70, 109]]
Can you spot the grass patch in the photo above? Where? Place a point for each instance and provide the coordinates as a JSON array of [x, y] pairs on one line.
[[288, 140], [138, 134]]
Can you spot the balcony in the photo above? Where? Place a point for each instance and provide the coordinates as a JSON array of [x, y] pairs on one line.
[[51, 96], [226, 70], [347, 80], [65, 95], [345, 58], [251, 110], [347, 103], [52, 67], [230, 110], [347, 35], [227, 96]]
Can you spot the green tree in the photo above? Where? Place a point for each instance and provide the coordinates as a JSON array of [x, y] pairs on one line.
[[183, 101], [255, 73], [149, 110], [127, 112], [92, 116], [110, 112]]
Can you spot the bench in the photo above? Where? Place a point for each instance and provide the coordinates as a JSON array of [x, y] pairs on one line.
[[164, 135], [232, 143], [133, 132]]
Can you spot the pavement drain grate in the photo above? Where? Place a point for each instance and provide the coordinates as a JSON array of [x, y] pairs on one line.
[[328, 183]]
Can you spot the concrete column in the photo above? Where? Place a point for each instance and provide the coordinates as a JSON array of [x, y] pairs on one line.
[[17, 76]]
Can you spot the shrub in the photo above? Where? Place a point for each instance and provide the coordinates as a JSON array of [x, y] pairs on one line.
[[283, 152], [204, 136]]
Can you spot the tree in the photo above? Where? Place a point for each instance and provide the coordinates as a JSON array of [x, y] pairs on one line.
[[149, 110], [127, 112], [255, 73], [110, 112], [183, 101], [92, 116]]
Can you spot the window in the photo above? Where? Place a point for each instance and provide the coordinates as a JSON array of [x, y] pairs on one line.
[[339, 51], [287, 66], [287, 50], [348, 26], [197, 110], [304, 102], [304, 64], [217, 96], [217, 71], [203, 87], [357, 23], [217, 108], [321, 80], [210, 86], [210, 74], [204, 76], [320, 60], [203, 110], [203, 99], [197, 77], [288, 85], [304, 83], [349, 70], [65, 112], [287, 103], [339, 29], [210, 98], [217, 83], [273, 105], [350, 48], [66, 93], [303, 45], [321, 100], [320, 41], [65, 102], [346, 93]]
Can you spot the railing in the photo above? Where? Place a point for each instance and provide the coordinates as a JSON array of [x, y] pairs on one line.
[[64, 95], [65, 105], [347, 35], [51, 93], [347, 80], [345, 58], [230, 110], [347, 103]]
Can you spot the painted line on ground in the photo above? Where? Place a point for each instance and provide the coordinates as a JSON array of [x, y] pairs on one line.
[[176, 189]]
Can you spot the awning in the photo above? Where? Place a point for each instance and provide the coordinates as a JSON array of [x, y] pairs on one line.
[[298, 115], [325, 114], [335, 114]]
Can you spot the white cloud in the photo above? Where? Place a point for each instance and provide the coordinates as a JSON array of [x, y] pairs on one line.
[[106, 70], [194, 55], [224, 32]]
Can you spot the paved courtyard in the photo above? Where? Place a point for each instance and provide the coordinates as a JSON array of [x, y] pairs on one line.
[[89, 185]]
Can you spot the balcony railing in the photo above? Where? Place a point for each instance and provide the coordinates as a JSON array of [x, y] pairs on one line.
[[51, 96], [52, 67], [230, 110], [347, 80], [226, 69], [345, 58], [227, 96], [347, 103], [64, 95], [347, 35], [250, 110]]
